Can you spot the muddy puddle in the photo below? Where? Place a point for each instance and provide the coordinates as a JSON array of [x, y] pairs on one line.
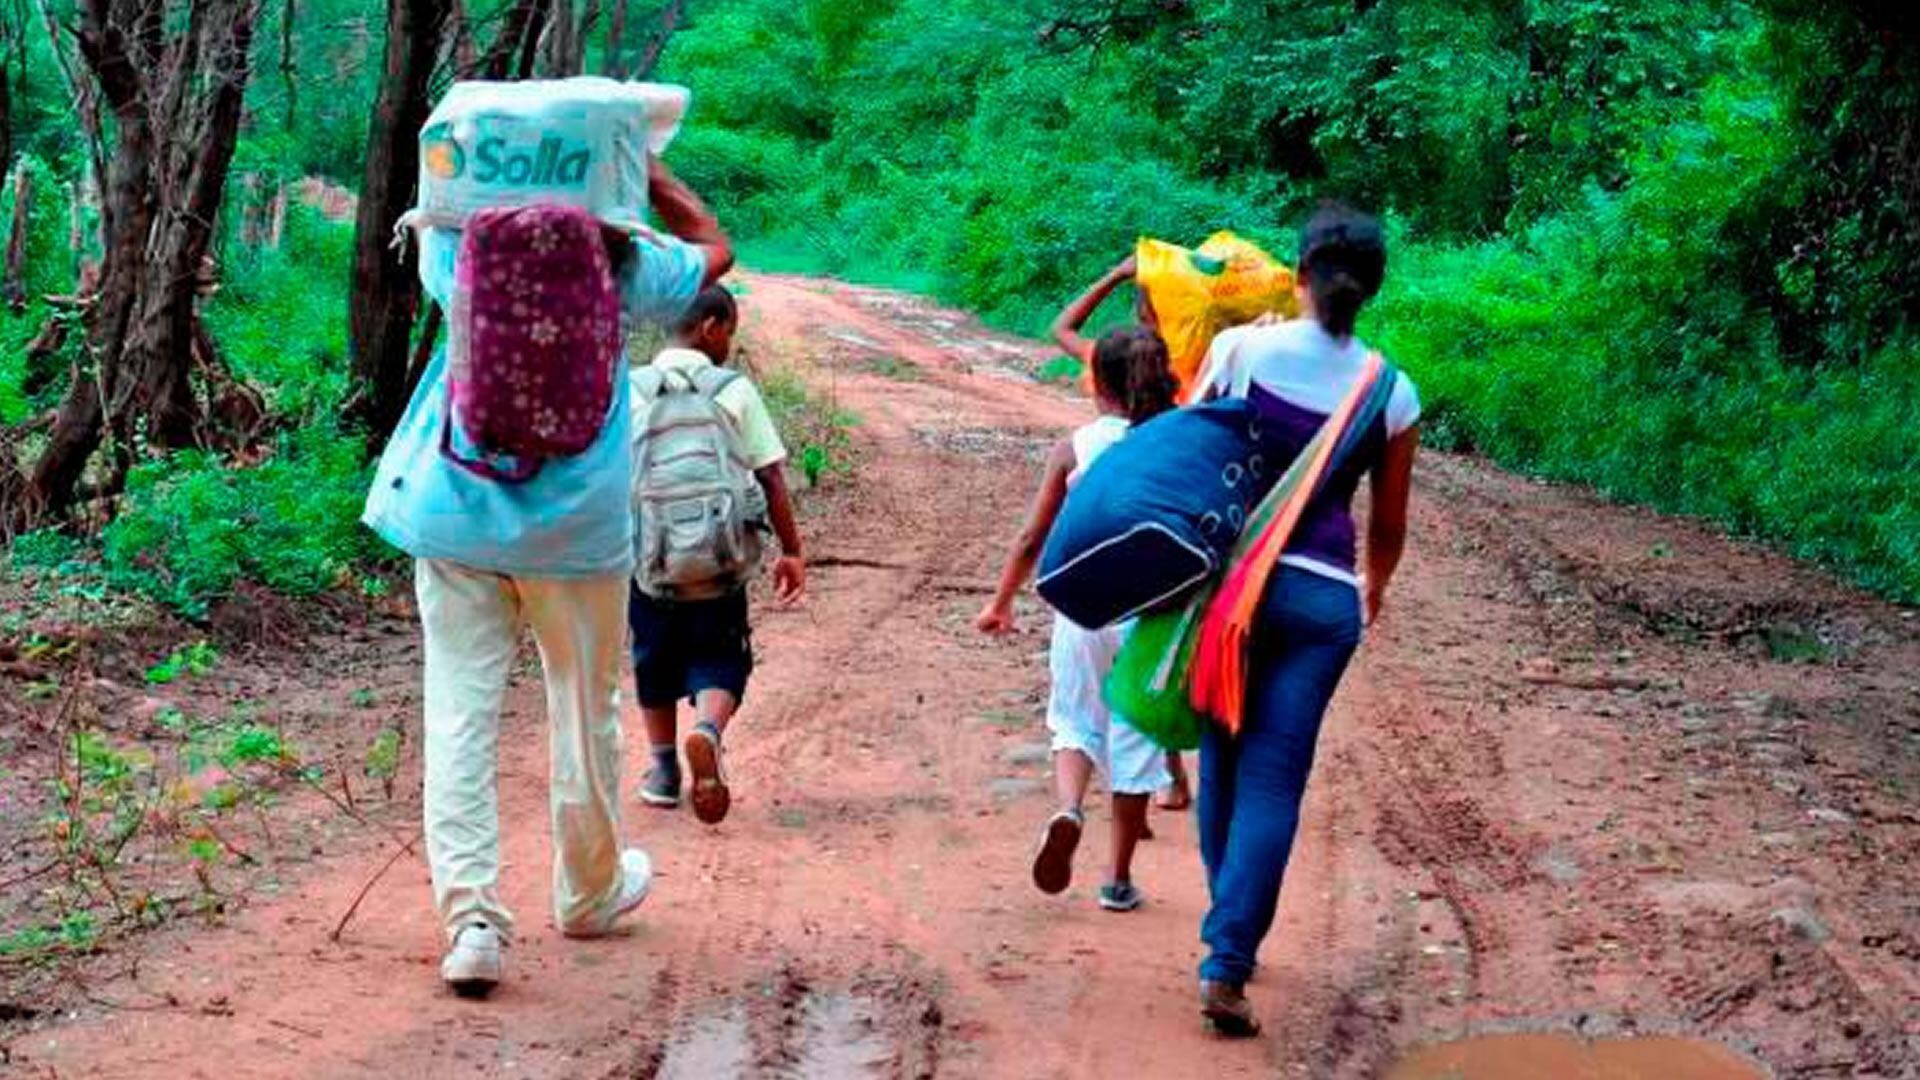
[[804, 1035], [1568, 1057]]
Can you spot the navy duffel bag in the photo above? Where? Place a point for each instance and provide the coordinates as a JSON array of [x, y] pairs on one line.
[[1157, 514]]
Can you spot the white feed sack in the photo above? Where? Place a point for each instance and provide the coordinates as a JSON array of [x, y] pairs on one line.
[[580, 142]]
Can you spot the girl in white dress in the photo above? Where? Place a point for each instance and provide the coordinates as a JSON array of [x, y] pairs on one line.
[[1132, 383]]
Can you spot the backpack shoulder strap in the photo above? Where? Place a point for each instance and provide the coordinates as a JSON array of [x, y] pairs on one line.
[[710, 381], [649, 381]]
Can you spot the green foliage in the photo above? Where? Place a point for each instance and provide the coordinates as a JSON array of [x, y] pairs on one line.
[[48, 269], [1610, 263], [1664, 248], [76, 933], [383, 755], [281, 315], [191, 527], [1061, 369], [1612, 347], [817, 432], [253, 744], [196, 660]]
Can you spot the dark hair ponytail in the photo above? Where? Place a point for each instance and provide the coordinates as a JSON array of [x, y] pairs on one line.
[[1131, 368], [1343, 257]]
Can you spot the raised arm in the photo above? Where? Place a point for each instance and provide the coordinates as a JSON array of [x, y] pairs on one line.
[[683, 214], [1387, 526], [1066, 328], [997, 616]]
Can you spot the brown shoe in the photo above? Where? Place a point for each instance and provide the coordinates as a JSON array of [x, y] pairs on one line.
[[1227, 1010], [709, 792], [1053, 862]]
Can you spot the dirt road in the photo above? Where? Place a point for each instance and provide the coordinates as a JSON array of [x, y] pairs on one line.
[[1598, 771]]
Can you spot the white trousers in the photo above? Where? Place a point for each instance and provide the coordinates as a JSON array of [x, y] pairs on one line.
[[472, 622], [1078, 716]]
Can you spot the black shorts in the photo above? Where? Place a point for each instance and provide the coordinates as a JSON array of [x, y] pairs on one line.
[[681, 647]]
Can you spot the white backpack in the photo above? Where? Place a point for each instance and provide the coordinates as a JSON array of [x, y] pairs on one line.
[[698, 509]]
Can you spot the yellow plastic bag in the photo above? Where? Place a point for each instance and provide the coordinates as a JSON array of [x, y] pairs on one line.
[[1196, 293]]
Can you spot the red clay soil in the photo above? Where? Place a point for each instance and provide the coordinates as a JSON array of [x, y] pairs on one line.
[[1598, 772]]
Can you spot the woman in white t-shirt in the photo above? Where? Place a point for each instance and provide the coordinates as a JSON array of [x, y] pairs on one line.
[[1311, 616]]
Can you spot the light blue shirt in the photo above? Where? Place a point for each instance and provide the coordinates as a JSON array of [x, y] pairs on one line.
[[573, 518]]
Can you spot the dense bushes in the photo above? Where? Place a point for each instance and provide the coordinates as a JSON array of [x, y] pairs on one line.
[[190, 526], [1589, 201], [1610, 346], [1668, 249]]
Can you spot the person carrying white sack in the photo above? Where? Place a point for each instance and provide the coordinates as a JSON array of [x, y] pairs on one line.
[[551, 551]]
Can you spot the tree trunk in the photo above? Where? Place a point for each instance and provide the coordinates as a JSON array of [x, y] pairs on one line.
[[559, 52], [386, 289], [669, 23], [466, 60], [251, 227], [617, 41], [42, 356], [519, 22], [158, 354], [277, 218], [589, 19], [536, 32], [177, 94], [7, 31], [15, 287], [289, 84]]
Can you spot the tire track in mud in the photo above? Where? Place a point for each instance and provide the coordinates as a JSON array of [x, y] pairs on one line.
[[893, 553]]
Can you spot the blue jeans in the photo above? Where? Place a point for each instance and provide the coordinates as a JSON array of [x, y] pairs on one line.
[[1251, 785]]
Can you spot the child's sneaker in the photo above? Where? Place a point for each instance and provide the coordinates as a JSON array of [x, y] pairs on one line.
[[1121, 896], [661, 788], [1053, 863], [711, 798], [473, 964], [636, 881]]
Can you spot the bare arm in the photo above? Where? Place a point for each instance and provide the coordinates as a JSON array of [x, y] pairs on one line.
[[1387, 527], [685, 216], [997, 616], [790, 570], [1066, 328]]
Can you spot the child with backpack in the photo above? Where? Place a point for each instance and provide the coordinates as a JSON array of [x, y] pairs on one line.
[[708, 478], [1132, 384], [1066, 333]]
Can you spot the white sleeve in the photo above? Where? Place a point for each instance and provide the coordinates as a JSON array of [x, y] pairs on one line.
[[1403, 406], [1217, 372]]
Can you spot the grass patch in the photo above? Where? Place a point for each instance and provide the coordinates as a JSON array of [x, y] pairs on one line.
[[1062, 370], [892, 367], [817, 430]]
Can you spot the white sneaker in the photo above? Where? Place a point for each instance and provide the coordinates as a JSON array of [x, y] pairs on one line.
[[473, 965], [636, 880]]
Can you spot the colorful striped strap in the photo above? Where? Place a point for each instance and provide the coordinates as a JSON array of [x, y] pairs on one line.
[[1218, 681]]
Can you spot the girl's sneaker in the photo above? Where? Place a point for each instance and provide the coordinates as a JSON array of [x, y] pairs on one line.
[[711, 797], [1053, 863], [1121, 896]]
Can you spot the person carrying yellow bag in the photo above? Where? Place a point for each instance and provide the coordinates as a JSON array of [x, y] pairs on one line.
[[1196, 293]]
